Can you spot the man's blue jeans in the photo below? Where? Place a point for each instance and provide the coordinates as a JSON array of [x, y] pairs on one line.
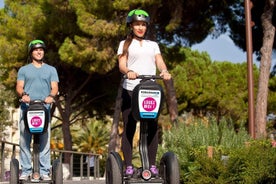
[[25, 146]]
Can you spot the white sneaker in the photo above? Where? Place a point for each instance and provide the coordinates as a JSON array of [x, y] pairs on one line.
[[46, 177], [24, 177]]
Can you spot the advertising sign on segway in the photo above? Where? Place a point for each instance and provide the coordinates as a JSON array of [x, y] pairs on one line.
[[149, 102], [36, 121], [36, 117]]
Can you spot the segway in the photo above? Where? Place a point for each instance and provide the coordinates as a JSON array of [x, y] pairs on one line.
[[36, 119], [146, 105]]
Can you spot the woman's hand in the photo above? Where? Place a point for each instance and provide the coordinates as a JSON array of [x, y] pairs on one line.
[[131, 75], [165, 75]]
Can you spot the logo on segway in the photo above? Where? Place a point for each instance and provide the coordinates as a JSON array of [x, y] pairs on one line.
[[36, 121], [149, 103]]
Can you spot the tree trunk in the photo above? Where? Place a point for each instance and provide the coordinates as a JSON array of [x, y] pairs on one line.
[[67, 137], [171, 101], [265, 65], [116, 118]]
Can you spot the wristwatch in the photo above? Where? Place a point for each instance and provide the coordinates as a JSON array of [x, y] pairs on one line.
[[24, 93], [53, 96]]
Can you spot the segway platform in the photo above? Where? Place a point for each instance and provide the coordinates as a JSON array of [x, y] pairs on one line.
[[138, 181]]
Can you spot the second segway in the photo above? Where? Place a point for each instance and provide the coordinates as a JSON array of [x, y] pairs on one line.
[[36, 119]]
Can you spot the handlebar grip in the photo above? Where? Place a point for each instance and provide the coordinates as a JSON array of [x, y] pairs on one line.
[[145, 77]]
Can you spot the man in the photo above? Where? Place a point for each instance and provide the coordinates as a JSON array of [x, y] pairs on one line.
[[90, 161], [35, 81]]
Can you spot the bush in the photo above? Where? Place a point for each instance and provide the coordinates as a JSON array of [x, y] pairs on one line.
[[232, 160], [255, 163]]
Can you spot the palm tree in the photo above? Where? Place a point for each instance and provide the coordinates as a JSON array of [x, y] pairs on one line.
[[92, 137]]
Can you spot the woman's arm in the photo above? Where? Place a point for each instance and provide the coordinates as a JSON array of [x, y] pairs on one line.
[[162, 67]]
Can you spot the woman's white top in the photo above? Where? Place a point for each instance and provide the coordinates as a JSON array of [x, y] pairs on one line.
[[141, 59]]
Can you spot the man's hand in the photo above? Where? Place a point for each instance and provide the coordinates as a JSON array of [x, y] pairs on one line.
[[25, 98], [49, 99]]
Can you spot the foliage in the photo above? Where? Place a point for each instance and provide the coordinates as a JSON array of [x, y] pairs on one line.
[[235, 159], [82, 38], [85, 34], [194, 136], [204, 87], [92, 137], [6, 98], [253, 164]]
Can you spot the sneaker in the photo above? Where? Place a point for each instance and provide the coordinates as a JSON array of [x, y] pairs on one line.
[[129, 171], [46, 177], [154, 170], [24, 177]]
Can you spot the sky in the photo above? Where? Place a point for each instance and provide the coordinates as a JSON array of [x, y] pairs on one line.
[[221, 49]]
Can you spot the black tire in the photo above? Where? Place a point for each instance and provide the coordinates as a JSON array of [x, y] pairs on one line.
[[114, 169], [57, 174], [169, 168], [14, 167]]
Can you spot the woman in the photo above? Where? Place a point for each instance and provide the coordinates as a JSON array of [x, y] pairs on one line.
[[138, 56]]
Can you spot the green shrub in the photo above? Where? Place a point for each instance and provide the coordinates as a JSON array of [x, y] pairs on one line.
[[241, 163], [255, 163]]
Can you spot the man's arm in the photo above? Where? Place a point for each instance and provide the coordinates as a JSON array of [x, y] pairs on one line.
[[20, 91], [20, 87], [53, 93], [54, 88]]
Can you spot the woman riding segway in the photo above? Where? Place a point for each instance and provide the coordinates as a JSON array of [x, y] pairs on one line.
[[138, 56]]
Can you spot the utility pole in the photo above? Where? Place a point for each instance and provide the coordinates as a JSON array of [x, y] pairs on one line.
[[248, 29]]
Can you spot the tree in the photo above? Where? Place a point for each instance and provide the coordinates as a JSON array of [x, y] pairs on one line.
[[81, 85], [265, 65], [91, 137], [210, 88], [82, 38], [6, 98], [263, 21]]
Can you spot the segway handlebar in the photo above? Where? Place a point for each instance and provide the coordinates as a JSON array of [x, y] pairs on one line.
[[146, 77], [34, 101]]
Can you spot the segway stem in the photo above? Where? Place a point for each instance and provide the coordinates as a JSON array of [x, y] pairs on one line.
[[143, 145], [36, 153]]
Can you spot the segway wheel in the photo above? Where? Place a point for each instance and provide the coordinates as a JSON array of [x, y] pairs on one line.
[[57, 175], [114, 169], [14, 168], [169, 168]]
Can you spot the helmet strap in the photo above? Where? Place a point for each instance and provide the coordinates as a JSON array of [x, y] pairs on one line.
[[138, 37]]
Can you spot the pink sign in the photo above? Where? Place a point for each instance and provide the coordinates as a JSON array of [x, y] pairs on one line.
[[149, 104], [36, 121]]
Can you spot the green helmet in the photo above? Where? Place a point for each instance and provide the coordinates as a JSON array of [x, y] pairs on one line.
[[36, 44], [137, 15]]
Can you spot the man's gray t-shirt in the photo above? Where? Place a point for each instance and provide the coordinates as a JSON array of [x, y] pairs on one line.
[[37, 81]]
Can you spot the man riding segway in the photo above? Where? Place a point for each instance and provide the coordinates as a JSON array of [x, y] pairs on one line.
[[36, 81]]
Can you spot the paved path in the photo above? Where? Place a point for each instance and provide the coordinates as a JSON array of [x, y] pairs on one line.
[[99, 181]]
